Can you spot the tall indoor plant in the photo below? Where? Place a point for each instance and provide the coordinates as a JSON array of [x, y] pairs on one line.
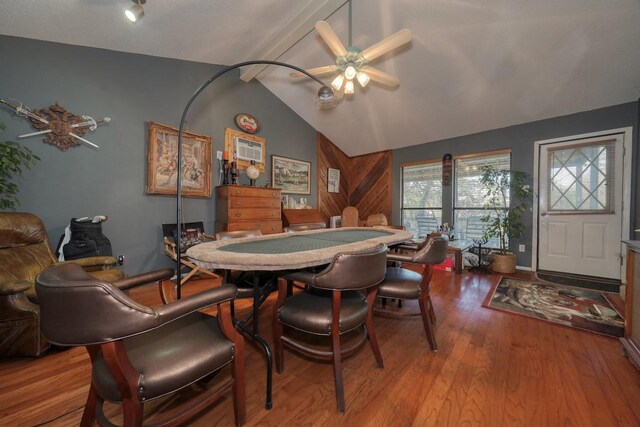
[[506, 195], [13, 157]]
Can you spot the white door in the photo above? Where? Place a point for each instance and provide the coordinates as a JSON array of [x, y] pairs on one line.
[[580, 206]]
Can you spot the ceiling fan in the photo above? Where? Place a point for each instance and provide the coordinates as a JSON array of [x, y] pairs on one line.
[[351, 62]]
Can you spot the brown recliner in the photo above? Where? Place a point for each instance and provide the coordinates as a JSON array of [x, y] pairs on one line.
[[24, 253], [401, 283], [140, 353], [332, 306]]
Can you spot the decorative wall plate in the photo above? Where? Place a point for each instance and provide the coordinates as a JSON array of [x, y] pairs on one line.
[[247, 123]]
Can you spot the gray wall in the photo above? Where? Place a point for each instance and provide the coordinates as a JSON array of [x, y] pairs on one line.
[[130, 89], [521, 140]]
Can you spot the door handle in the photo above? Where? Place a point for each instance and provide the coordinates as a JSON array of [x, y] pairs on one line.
[[543, 214]]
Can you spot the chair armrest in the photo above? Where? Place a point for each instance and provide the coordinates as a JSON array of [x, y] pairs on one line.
[[14, 287], [399, 257], [94, 261], [144, 278], [305, 277], [190, 304], [407, 246]]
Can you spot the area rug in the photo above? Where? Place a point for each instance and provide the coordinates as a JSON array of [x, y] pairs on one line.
[[563, 305], [596, 283]]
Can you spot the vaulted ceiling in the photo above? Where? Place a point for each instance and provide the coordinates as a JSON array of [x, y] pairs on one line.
[[471, 66]]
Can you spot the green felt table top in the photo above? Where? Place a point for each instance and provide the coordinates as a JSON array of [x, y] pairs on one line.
[[301, 243]]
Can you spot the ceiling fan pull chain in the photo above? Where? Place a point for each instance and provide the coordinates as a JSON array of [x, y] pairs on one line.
[[350, 25]]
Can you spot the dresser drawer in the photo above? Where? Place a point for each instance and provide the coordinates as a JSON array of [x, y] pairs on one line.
[[237, 202], [264, 214], [266, 227], [245, 191]]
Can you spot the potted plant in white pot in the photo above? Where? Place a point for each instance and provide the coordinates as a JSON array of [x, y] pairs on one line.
[[13, 157], [506, 195]]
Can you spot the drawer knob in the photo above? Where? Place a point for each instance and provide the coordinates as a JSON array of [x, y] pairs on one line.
[[238, 214], [273, 228], [238, 203], [273, 194], [273, 214]]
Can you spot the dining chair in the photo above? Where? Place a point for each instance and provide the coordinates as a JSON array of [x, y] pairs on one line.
[[293, 228], [244, 279], [377, 219], [350, 217], [404, 284], [140, 353], [333, 305]]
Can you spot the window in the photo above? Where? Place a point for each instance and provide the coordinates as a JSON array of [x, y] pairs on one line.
[[421, 210], [468, 200]]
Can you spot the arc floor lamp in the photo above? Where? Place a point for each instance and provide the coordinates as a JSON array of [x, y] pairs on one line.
[[325, 100]]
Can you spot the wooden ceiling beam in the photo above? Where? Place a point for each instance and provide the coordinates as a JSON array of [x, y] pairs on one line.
[[299, 26]]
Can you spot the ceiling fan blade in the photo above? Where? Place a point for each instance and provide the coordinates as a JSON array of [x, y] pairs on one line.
[[330, 38], [316, 71], [381, 77], [387, 44]]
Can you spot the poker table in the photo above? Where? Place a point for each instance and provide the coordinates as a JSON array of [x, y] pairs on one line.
[[286, 251], [290, 251]]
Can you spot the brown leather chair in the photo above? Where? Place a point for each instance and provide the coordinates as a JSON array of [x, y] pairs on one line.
[[24, 253], [350, 217], [242, 279], [294, 228], [140, 353], [377, 219], [401, 283], [331, 307]]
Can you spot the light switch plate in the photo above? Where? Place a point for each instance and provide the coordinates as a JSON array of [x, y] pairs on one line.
[[521, 248], [219, 155]]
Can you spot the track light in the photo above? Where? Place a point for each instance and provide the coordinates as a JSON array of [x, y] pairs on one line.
[[135, 12]]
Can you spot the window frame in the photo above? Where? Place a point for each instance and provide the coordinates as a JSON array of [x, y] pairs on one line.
[[440, 208]]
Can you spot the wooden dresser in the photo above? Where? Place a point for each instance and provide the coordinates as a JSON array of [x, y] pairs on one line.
[[240, 207]]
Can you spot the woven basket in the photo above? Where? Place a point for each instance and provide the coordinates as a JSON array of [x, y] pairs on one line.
[[503, 263]]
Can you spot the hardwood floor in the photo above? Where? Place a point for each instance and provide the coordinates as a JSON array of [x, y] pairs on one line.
[[492, 369]]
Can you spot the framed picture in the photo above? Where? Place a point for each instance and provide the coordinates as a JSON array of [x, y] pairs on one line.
[[243, 148], [162, 162], [291, 175]]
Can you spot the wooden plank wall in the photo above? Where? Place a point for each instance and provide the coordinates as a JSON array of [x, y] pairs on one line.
[[330, 156], [365, 181], [370, 184]]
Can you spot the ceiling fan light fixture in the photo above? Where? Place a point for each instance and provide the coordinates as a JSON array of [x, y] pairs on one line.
[[349, 88], [135, 12], [350, 72], [338, 82], [363, 78]]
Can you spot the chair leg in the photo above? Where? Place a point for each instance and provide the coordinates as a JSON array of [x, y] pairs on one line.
[[335, 349], [373, 340], [277, 345], [426, 320], [237, 372], [132, 412], [89, 414], [432, 313], [337, 369]]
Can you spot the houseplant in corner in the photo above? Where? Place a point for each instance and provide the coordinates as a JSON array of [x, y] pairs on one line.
[[13, 157], [506, 195]]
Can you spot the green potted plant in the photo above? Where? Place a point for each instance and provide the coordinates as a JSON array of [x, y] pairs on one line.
[[504, 188], [13, 157]]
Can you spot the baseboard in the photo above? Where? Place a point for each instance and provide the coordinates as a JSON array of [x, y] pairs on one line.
[[519, 267], [632, 350]]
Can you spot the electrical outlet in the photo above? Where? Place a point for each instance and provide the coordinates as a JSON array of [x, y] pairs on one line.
[[219, 155], [120, 259], [521, 248]]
